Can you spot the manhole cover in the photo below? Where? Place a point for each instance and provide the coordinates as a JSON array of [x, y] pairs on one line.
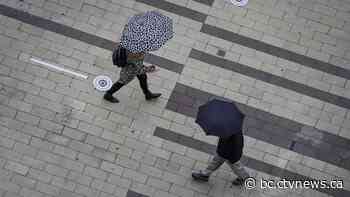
[[102, 83], [239, 3]]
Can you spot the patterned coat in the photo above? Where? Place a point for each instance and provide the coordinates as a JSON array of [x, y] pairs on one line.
[[129, 72]]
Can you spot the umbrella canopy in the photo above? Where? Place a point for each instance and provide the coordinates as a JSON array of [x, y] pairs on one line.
[[147, 32], [220, 118]]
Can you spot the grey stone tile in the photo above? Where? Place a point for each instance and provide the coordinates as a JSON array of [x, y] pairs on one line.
[[269, 78], [166, 134], [266, 116], [190, 142], [183, 99], [205, 2], [134, 194], [257, 133], [199, 95], [255, 164], [259, 165], [280, 141], [164, 63], [81, 36], [176, 9], [188, 111], [276, 51], [276, 130], [304, 149], [333, 139], [254, 122], [208, 148], [291, 125], [332, 157], [221, 53], [172, 106], [180, 89]]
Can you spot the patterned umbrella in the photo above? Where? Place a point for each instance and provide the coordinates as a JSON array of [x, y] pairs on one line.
[[146, 32]]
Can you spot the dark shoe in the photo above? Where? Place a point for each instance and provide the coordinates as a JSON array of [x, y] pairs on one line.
[[150, 95], [109, 94], [144, 86], [110, 98], [238, 182], [199, 176]]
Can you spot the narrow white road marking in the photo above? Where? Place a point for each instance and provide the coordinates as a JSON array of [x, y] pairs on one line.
[[58, 68]]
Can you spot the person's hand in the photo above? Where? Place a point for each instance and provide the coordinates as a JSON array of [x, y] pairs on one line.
[[152, 69]]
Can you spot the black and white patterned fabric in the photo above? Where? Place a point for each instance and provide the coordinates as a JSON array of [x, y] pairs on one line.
[[129, 72], [147, 32]]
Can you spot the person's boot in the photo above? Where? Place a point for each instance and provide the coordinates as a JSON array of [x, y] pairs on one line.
[[238, 181], [200, 176], [109, 94], [144, 86]]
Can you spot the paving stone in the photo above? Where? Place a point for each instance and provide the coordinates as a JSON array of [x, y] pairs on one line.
[[320, 149], [47, 189], [50, 126], [64, 184], [103, 186], [6, 111], [55, 170], [41, 144], [86, 191], [96, 173], [27, 118], [39, 175], [279, 52], [25, 149], [72, 165], [17, 167], [85, 127], [133, 175], [131, 193], [30, 193], [73, 103], [96, 141], [103, 154], [60, 150], [58, 139], [79, 178], [73, 133], [14, 135], [108, 135]]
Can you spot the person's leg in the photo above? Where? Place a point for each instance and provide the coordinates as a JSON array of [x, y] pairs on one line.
[[126, 75], [109, 94], [144, 86], [239, 170], [214, 164]]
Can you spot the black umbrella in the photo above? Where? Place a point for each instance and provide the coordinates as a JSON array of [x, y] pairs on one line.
[[220, 118]]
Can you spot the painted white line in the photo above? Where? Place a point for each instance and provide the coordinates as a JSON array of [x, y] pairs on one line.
[[239, 3], [58, 68]]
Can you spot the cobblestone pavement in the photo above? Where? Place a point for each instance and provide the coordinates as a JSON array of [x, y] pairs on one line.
[[285, 62]]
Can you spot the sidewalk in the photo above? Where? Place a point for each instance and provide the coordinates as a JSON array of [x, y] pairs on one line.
[[285, 63]]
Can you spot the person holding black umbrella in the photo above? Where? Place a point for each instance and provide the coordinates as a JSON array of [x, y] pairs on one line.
[[223, 119]]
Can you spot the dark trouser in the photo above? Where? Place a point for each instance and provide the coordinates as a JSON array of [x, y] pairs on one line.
[[143, 84]]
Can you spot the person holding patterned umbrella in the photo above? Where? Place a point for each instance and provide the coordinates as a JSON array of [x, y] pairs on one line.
[[144, 32]]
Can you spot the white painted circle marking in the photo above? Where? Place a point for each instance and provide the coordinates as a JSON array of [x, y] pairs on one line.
[[102, 83], [239, 3]]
